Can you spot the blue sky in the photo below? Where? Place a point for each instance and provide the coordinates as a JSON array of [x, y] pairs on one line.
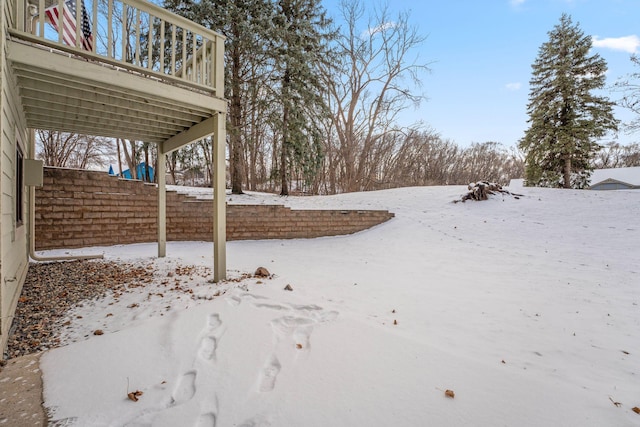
[[481, 53]]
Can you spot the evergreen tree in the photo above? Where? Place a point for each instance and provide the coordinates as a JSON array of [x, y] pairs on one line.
[[302, 33], [247, 26], [566, 118]]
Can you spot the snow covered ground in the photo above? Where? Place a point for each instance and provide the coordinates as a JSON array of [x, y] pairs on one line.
[[527, 309]]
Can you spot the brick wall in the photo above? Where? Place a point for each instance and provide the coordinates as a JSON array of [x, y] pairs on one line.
[[77, 208]]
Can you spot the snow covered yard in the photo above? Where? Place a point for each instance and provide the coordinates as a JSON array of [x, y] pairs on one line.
[[528, 310]]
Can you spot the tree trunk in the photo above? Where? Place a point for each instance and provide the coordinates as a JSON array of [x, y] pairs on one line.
[[172, 160], [119, 158], [146, 173], [235, 117], [130, 157], [284, 188], [567, 172]]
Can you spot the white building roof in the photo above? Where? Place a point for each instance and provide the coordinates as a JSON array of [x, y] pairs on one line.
[[626, 175]]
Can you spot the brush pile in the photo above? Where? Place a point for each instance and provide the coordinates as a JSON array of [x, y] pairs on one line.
[[481, 190]]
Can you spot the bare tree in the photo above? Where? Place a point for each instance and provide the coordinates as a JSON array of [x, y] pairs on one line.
[[371, 84], [630, 88], [132, 152], [71, 150], [632, 155], [616, 155]]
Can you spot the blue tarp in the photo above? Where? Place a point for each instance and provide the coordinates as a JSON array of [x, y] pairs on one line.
[[139, 172]]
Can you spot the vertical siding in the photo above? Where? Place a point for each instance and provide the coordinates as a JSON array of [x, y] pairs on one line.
[[4, 9], [13, 240]]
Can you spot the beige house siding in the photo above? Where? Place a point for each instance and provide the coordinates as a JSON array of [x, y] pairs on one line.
[[13, 237]]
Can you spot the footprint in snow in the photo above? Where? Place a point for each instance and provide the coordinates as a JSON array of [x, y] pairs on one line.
[[214, 322], [206, 420], [185, 389], [301, 337], [208, 347], [209, 343], [278, 307], [268, 375], [258, 421], [233, 301], [287, 325]]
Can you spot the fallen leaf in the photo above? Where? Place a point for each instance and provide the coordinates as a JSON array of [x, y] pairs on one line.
[[395, 322], [134, 305], [262, 272], [625, 352], [449, 393], [503, 362], [298, 346], [618, 404], [636, 410], [98, 332], [134, 395], [393, 311], [288, 288]]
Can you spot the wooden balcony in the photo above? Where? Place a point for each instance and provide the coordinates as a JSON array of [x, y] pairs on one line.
[[129, 69], [122, 69]]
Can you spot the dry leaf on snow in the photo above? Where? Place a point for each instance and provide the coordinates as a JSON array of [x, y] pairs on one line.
[[449, 393], [636, 410], [134, 395], [262, 272]]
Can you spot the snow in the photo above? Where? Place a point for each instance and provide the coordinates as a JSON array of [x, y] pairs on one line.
[[528, 309]]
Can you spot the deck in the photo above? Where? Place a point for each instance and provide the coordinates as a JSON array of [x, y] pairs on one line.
[[123, 69], [149, 82]]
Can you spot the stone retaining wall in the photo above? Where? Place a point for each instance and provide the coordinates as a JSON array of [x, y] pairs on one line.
[[78, 208]]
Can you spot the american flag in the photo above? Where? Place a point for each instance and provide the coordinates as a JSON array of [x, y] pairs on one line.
[[69, 23]]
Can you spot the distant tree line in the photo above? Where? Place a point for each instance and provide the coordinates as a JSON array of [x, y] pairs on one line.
[[615, 155], [421, 157]]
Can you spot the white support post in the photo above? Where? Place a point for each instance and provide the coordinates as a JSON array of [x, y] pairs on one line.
[[219, 199], [162, 202]]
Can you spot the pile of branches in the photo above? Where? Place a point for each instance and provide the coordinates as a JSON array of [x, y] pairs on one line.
[[481, 190]]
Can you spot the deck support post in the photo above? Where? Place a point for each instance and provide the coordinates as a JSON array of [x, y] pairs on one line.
[[161, 176], [219, 198]]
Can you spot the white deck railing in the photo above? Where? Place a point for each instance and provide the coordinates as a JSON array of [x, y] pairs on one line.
[[131, 34]]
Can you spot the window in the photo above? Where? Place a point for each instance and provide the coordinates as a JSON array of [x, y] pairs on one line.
[[19, 186]]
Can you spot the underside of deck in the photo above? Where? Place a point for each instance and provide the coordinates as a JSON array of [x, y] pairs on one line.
[[60, 91]]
